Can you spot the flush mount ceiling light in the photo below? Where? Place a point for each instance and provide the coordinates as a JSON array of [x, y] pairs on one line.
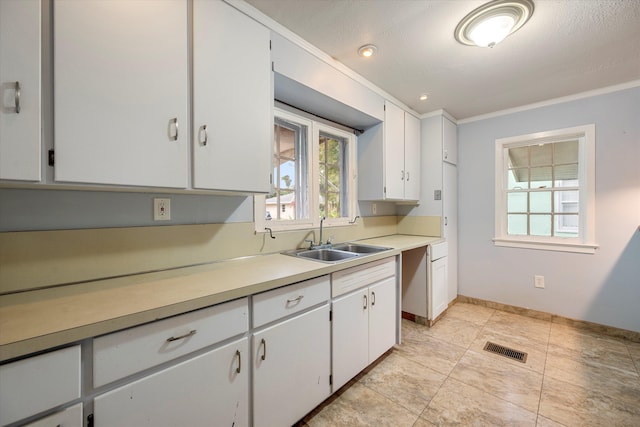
[[423, 97], [367, 50], [489, 24]]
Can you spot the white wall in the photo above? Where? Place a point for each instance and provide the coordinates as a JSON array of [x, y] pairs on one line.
[[603, 287]]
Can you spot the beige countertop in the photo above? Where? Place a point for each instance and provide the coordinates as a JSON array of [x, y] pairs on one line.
[[37, 320]]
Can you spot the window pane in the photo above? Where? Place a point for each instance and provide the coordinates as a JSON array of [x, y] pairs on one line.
[[333, 205], [540, 225], [517, 202], [518, 157], [566, 201], [566, 226], [541, 155], [540, 201], [517, 225], [518, 179], [541, 177], [566, 152], [566, 173]]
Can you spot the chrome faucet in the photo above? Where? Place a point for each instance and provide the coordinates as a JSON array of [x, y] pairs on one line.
[[321, 221]]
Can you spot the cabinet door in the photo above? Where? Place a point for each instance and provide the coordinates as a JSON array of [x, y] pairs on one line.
[[382, 317], [449, 141], [450, 225], [20, 89], [70, 417], [350, 348], [439, 291], [209, 390], [121, 85], [394, 151], [411, 157], [291, 362], [232, 100]]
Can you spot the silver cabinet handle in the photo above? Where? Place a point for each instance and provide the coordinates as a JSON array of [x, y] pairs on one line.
[[407, 176], [263, 343], [364, 306], [18, 90], [203, 130], [297, 299], [402, 177], [173, 123], [187, 335], [239, 356], [373, 299]]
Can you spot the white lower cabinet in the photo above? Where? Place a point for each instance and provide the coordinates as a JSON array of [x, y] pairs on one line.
[[70, 417], [291, 368], [209, 390], [39, 383], [364, 326]]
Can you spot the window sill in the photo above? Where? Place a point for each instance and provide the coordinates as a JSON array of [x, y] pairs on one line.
[[275, 226], [581, 248]]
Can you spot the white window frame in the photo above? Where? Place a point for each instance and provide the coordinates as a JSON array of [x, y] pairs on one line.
[[585, 243], [314, 128]]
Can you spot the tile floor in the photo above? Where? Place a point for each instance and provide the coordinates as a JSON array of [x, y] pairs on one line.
[[441, 376]]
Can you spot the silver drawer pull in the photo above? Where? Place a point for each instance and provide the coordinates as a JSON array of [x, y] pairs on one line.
[[297, 299], [264, 344], [173, 123], [203, 131], [187, 335], [18, 97], [239, 368]]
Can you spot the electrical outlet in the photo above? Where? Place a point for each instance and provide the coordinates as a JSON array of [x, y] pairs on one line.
[[374, 208], [161, 209], [538, 281]]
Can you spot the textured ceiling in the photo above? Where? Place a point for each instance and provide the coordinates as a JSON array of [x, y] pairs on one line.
[[568, 47]]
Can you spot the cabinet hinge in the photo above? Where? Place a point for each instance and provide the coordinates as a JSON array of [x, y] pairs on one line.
[[330, 379], [52, 157], [273, 67], [90, 420], [384, 190], [270, 178], [270, 44], [330, 315]]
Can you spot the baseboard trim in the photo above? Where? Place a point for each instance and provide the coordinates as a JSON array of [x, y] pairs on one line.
[[579, 324]]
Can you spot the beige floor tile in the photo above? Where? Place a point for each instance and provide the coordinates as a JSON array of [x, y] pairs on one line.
[[519, 326], [572, 405], [536, 352], [431, 353], [421, 422], [590, 347], [460, 404], [454, 331], [634, 351], [592, 376], [404, 381], [514, 384], [361, 406], [546, 422], [473, 313]]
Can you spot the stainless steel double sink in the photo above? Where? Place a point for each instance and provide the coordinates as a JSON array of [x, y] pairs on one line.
[[337, 253]]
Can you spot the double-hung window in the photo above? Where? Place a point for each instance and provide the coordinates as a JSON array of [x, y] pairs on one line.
[[314, 175], [545, 190]]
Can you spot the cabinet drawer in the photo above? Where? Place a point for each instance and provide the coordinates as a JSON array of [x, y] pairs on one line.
[[271, 305], [356, 277], [132, 350], [38, 383], [70, 417]]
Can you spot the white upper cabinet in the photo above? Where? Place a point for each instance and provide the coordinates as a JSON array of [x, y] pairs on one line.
[[389, 158], [121, 92], [232, 100], [411, 157], [449, 141], [20, 88]]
